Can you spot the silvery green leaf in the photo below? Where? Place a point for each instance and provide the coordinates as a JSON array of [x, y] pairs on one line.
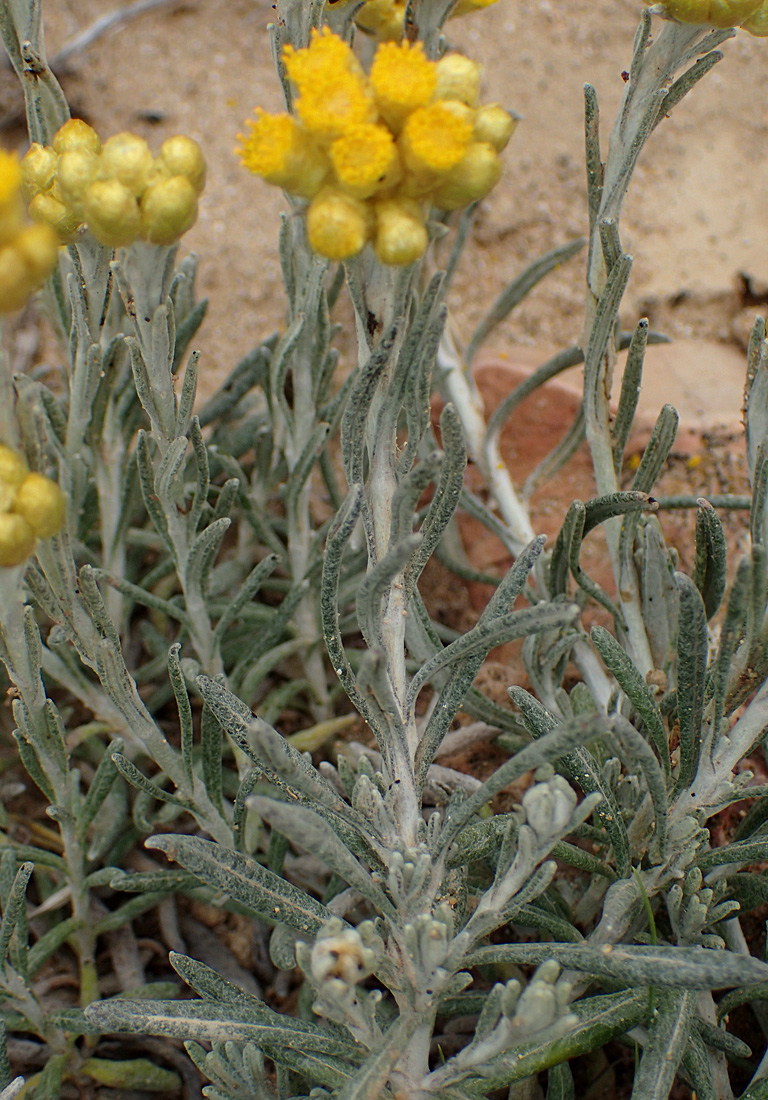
[[667, 1037], [667, 967], [311, 832], [658, 593], [244, 879], [13, 907], [630, 392], [709, 571], [692, 647], [215, 1021]]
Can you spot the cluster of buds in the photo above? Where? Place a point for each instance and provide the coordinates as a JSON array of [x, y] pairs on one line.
[[32, 507], [118, 190], [385, 18], [370, 153], [751, 15], [27, 252]]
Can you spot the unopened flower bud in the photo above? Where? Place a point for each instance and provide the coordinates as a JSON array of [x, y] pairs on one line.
[[168, 209], [476, 174], [342, 957], [112, 213], [464, 7], [494, 125], [337, 224], [38, 170], [458, 77], [127, 158], [49, 209], [757, 24], [42, 504], [715, 13], [181, 156], [401, 235], [75, 173], [13, 468], [549, 807], [76, 134], [17, 539], [38, 246]]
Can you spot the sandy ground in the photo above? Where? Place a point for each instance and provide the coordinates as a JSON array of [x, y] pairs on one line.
[[695, 219]]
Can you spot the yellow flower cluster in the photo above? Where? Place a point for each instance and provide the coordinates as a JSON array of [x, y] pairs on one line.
[[32, 507], [27, 252], [118, 190], [752, 15], [385, 18], [371, 152]]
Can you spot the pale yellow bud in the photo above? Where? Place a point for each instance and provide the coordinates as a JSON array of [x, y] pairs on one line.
[[458, 78], [471, 179], [181, 156], [401, 235], [168, 209], [757, 24], [13, 468], [337, 224], [75, 173], [42, 504], [112, 213], [38, 245], [17, 539], [48, 209], [127, 158], [38, 170], [494, 125], [76, 134]]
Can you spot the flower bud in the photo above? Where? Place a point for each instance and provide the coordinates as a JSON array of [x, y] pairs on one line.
[[13, 468], [494, 125], [715, 13], [757, 24], [475, 175], [38, 246], [464, 7], [47, 208], [42, 504], [76, 134], [112, 213], [337, 225], [17, 539], [401, 235], [458, 78], [384, 18], [127, 158], [181, 156], [342, 957], [38, 170], [75, 173], [168, 210], [549, 807]]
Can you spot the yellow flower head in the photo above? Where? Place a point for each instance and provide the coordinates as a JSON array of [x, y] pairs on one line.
[[435, 138], [327, 55], [280, 151], [334, 102], [365, 160], [38, 170], [402, 79], [76, 134], [337, 224], [126, 157], [112, 213], [182, 156], [716, 13], [168, 210]]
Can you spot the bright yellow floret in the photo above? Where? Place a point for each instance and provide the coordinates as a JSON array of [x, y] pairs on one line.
[[327, 55], [365, 160], [434, 139], [333, 103], [402, 79], [280, 151]]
